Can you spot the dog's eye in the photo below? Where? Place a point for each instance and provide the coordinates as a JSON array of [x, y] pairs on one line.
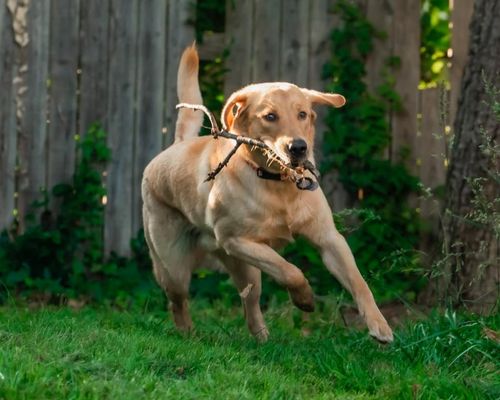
[[302, 115], [271, 117]]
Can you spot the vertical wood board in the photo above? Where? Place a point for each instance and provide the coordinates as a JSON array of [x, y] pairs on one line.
[[121, 109], [32, 106], [406, 33], [294, 42], [239, 33], [150, 91], [63, 63], [430, 148], [94, 58], [8, 134], [266, 41], [381, 16]]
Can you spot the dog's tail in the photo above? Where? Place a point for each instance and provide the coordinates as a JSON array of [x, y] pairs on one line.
[[188, 90]]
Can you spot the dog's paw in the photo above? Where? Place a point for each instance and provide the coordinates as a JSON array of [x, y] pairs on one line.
[[379, 329], [262, 335], [303, 297]]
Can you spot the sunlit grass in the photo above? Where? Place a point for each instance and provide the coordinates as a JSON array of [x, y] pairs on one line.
[[58, 353]]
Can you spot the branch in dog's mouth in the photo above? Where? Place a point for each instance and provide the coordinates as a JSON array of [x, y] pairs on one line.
[[295, 174]]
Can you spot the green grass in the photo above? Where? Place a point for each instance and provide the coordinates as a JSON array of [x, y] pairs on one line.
[[57, 353]]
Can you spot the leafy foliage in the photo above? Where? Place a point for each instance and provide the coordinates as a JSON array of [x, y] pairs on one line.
[[388, 230], [62, 255], [435, 40]]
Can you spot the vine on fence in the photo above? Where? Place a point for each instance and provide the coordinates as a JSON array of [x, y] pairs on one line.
[[386, 228]]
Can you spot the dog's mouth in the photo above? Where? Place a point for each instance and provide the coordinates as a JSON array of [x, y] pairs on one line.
[[290, 161]]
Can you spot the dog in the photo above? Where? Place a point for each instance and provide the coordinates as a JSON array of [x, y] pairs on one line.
[[249, 210]]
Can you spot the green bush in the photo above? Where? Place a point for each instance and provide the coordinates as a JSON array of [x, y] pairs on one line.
[[382, 230], [60, 255]]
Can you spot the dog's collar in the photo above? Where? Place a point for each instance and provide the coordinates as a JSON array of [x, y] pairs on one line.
[[304, 183], [263, 174]]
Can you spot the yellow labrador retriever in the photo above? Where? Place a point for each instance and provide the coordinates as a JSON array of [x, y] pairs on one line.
[[248, 211]]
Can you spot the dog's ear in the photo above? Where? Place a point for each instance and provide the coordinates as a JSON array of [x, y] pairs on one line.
[[238, 99], [329, 99]]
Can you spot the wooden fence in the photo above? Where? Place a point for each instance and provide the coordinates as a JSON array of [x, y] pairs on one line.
[[67, 63]]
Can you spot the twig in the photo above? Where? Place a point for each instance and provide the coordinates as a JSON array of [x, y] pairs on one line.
[[213, 174]]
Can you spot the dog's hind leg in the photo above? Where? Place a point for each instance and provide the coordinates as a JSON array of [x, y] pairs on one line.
[[174, 256]]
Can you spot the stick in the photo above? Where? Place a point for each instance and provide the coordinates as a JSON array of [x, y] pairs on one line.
[[215, 128], [213, 174]]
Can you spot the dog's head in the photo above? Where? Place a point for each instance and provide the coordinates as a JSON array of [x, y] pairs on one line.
[[280, 114]]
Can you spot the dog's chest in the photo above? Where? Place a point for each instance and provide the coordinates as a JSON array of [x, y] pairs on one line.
[[263, 215], [276, 222]]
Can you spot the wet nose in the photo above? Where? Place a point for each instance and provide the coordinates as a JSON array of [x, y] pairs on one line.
[[297, 147]]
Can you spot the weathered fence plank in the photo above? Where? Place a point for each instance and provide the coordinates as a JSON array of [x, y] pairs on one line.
[[121, 103], [239, 34], [294, 42], [8, 134], [430, 148], [94, 55], [63, 63], [266, 41], [127, 55], [461, 14], [180, 35], [32, 106], [150, 88], [406, 37], [381, 16]]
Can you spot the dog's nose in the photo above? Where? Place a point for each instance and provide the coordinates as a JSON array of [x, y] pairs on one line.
[[297, 147]]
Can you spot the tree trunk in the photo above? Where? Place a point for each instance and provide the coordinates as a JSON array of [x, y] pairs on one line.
[[470, 271]]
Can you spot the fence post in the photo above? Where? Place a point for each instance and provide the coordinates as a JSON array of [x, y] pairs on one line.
[[150, 94], [239, 34], [63, 63], [8, 134], [121, 107], [32, 77]]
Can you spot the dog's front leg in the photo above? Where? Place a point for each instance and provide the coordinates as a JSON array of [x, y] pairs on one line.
[[267, 260], [338, 258]]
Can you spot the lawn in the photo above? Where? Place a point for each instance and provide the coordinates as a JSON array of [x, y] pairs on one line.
[[102, 353]]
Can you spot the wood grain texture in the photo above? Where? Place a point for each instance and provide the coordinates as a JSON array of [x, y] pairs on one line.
[[238, 36], [430, 149], [150, 94], [94, 58], [406, 39], [32, 107], [8, 134], [266, 41], [180, 34], [63, 64], [381, 16], [121, 109], [294, 42]]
